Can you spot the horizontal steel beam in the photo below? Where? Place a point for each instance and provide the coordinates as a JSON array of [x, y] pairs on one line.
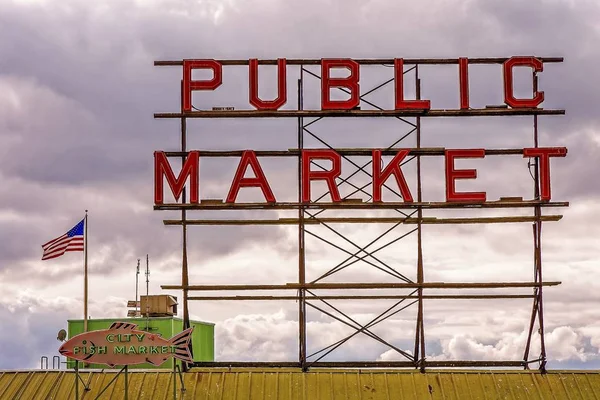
[[381, 297], [357, 364], [366, 61], [499, 111], [466, 363], [246, 364], [364, 285], [363, 220], [218, 204], [431, 364], [367, 152]]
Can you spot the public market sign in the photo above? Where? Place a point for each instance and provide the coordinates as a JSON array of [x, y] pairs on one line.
[[123, 344], [514, 105]]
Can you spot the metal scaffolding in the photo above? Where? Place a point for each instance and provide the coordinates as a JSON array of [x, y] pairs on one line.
[[407, 220]]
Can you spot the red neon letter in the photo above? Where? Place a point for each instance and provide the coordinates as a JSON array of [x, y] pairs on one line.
[[463, 74], [189, 85], [544, 155], [379, 176], [351, 83], [162, 167], [402, 104], [281, 86], [259, 180], [509, 97], [453, 174], [328, 176]]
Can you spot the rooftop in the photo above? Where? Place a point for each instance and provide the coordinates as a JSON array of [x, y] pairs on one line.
[[330, 384]]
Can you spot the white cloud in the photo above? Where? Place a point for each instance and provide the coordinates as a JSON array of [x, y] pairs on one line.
[[249, 337]]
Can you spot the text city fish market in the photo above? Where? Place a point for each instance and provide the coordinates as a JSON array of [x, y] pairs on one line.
[[124, 348], [131, 349], [190, 169]]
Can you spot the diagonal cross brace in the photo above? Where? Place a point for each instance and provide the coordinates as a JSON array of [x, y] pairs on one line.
[[359, 168], [394, 273], [341, 265], [361, 97], [362, 329], [399, 275]]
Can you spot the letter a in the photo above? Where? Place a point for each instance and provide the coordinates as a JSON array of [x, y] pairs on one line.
[[249, 158]]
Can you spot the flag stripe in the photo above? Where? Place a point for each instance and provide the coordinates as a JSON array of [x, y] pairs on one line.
[[63, 250], [54, 241], [60, 253], [62, 239], [63, 242]]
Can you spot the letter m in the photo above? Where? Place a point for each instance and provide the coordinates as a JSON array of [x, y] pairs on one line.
[[162, 169]]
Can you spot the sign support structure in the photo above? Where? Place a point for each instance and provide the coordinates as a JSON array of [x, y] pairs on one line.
[[124, 370], [184, 265], [318, 219]]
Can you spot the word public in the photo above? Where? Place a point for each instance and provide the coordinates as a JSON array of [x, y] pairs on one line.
[[190, 169], [351, 84]]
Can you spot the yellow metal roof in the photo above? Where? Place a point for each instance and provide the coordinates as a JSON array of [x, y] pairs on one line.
[[275, 384]]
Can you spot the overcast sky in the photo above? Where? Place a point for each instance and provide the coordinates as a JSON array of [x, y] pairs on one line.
[[78, 90]]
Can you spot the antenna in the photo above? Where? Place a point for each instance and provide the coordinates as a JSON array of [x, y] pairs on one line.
[[137, 283], [147, 286]]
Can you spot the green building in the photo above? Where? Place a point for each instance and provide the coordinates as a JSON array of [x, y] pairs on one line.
[[203, 344]]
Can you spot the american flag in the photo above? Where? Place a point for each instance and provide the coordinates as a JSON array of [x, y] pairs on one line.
[[70, 241]]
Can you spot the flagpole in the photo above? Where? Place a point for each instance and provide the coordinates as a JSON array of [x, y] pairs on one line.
[[85, 275]]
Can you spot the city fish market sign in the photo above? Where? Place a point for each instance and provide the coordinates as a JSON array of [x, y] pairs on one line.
[[123, 344], [350, 84]]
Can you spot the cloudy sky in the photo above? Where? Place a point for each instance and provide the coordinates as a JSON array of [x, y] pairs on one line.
[[78, 90]]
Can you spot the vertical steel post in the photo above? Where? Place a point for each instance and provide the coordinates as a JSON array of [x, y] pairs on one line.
[[537, 310], [420, 334], [126, 383], [174, 379], [535, 299], [538, 224], [184, 267], [76, 379], [147, 291], [301, 252], [137, 284]]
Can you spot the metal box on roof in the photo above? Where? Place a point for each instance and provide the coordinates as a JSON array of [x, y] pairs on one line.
[[158, 305]]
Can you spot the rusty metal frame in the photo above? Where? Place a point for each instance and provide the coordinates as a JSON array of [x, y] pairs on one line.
[[310, 214]]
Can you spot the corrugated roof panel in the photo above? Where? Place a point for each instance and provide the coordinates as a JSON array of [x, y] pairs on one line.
[[380, 382], [593, 390], [286, 387], [460, 380], [228, 386], [556, 387], [584, 387], [12, 383], [35, 386], [56, 383]]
